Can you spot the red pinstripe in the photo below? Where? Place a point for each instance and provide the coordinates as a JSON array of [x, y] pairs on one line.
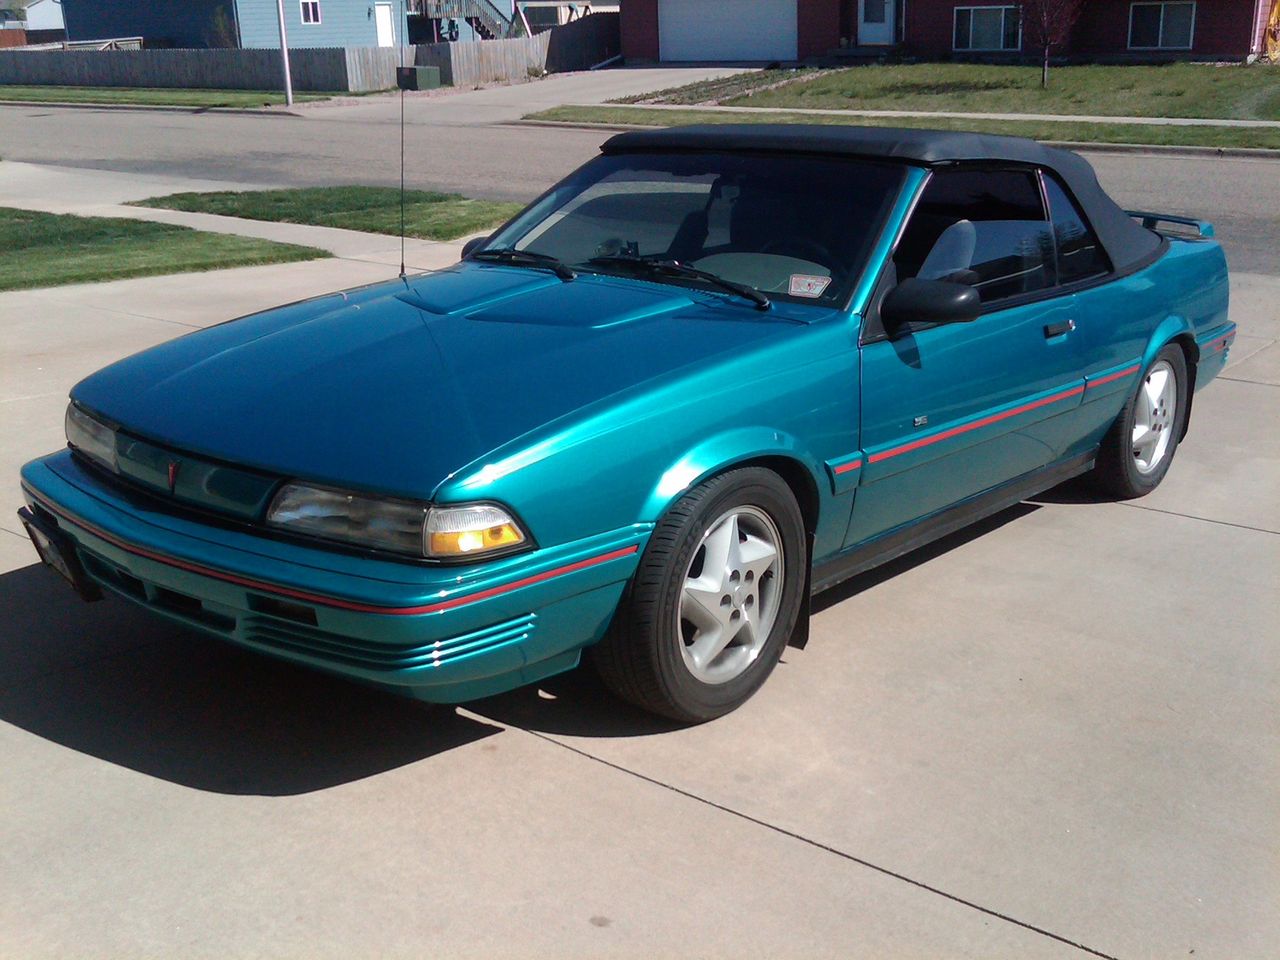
[[976, 424], [334, 601], [1127, 371], [847, 467]]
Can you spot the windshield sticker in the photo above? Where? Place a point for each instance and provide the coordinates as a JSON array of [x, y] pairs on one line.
[[803, 285]]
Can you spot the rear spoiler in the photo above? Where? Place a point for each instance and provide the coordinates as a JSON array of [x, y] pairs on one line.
[[1203, 228]]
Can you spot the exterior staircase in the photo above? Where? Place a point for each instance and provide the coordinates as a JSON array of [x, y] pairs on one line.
[[484, 16]]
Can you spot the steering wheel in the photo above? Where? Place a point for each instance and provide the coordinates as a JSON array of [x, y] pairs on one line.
[[803, 248]]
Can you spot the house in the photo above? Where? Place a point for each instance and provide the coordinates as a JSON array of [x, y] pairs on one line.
[[238, 23], [44, 15], [13, 27], [789, 30]]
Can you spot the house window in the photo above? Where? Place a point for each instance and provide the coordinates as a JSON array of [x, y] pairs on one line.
[[1161, 26], [987, 28], [310, 11]]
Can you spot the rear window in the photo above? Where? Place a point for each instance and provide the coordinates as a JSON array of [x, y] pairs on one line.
[[1080, 255]]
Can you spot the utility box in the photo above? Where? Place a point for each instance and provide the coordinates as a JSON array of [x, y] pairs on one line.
[[417, 78]]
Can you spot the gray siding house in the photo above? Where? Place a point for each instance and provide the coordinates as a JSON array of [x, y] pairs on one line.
[[239, 23]]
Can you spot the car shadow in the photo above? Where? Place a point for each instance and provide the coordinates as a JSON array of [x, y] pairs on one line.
[[577, 704], [115, 683], [1077, 490], [930, 551]]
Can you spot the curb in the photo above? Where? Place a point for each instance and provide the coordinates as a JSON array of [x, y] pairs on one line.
[[151, 107], [582, 125], [1226, 153], [1092, 146]]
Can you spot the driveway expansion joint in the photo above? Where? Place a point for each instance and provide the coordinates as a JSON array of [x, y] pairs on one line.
[[1189, 516], [817, 844]]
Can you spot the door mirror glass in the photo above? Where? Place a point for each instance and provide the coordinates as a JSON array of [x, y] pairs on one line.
[[917, 301]]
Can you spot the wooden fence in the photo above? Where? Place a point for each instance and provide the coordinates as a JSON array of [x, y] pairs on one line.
[[575, 46], [353, 69], [467, 64], [581, 44]]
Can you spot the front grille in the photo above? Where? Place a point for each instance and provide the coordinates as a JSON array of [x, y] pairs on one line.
[[300, 639]]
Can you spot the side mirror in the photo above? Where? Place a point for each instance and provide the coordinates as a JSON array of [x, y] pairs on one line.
[[930, 301], [472, 245]]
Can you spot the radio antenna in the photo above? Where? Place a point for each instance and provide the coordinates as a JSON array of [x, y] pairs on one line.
[[401, 83]]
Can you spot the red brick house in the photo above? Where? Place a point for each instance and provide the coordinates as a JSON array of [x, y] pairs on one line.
[[786, 30]]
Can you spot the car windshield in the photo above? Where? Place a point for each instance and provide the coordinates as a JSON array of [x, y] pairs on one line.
[[792, 228]]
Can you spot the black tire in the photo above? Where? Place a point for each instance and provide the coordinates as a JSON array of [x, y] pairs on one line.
[[641, 658], [1116, 473]]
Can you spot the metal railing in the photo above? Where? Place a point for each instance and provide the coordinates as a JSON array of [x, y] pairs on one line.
[[483, 15]]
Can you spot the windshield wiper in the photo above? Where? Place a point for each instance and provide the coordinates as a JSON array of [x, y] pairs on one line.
[[674, 268], [527, 258]]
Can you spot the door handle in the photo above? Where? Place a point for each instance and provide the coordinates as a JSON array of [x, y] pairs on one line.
[[1052, 330]]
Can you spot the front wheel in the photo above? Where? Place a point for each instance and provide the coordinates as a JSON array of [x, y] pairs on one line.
[[715, 598], [1137, 451]]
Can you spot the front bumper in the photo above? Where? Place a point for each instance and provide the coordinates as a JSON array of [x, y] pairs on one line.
[[441, 633]]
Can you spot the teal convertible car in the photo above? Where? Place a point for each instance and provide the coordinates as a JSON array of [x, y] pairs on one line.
[[715, 370]]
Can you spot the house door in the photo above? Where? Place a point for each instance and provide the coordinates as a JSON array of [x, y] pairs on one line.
[[875, 22], [386, 25]]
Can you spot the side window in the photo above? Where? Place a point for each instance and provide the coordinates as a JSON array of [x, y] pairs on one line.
[[1080, 255], [986, 228]]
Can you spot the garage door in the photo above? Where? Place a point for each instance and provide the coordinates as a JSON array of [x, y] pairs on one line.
[[727, 29]]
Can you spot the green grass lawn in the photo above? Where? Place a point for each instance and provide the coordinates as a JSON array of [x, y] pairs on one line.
[[429, 216], [1174, 90], [46, 250], [1058, 130], [148, 96]]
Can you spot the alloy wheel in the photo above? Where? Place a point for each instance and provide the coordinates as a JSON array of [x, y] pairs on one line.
[[730, 595], [1154, 415]]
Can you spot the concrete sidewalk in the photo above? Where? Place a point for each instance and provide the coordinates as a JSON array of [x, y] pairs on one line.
[[940, 114], [101, 193]]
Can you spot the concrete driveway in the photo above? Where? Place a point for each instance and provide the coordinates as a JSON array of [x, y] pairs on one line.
[[502, 103], [1053, 735]]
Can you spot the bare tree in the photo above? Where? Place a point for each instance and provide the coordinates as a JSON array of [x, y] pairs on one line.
[[1046, 25], [222, 29]]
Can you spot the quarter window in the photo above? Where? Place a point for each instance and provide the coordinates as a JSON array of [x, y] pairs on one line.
[[310, 11], [985, 228], [1080, 255], [1162, 26], [987, 28]]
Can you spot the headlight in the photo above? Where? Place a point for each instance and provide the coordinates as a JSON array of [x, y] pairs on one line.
[[91, 437], [402, 526], [350, 517]]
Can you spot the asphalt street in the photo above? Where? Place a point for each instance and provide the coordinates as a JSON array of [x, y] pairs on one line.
[[1056, 734], [469, 144]]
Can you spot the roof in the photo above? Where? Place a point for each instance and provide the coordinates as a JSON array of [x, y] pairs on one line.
[[1126, 242], [916, 146]]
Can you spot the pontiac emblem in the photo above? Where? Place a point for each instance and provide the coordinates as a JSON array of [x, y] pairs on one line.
[[173, 473]]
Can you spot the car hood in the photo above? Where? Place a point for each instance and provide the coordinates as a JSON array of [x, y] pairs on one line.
[[396, 387]]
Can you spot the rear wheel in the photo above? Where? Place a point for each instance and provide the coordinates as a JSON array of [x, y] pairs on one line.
[[1136, 453], [715, 598]]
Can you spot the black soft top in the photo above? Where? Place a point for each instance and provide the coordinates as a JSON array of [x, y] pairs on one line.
[[1128, 244]]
